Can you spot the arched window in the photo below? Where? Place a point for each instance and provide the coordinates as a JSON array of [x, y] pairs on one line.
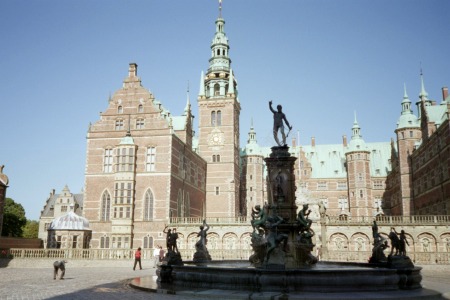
[[213, 118], [219, 118], [218, 158], [120, 109], [106, 206], [148, 242], [104, 242], [216, 89], [140, 108], [148, 206], [226, 89]]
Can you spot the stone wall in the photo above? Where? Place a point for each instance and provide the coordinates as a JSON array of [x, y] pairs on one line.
[[10, 242]]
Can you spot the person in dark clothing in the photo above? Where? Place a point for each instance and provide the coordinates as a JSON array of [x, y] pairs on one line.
[[59, 265], [137, 258]]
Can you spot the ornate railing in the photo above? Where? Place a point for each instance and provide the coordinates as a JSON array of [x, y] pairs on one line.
[[390, 220], [210, 221], [216, 254], [117, 254], [331, 220], [425, 258]]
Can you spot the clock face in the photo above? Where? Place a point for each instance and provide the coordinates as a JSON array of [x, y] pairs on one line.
[[216, 139]]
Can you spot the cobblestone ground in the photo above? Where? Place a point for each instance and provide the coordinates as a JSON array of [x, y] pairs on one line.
[[79, 283], [112, 283]]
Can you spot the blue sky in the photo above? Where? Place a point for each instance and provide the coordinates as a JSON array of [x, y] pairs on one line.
[[322, 60]]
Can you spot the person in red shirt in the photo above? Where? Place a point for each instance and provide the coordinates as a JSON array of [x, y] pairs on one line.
[[137, 258]]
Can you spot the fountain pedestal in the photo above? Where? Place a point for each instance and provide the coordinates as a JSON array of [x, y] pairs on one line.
[[281, 239]]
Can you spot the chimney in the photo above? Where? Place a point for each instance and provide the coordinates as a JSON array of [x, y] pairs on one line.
[[132, 71], [313, 141], [344, 140], [444, 93], [294, 144]]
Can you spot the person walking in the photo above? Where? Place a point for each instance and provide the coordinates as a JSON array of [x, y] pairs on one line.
[[59, 265], [156, 256], [137, 258], [161, 253]]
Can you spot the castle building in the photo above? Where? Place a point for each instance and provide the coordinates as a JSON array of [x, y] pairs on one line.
[[56, 206], [145, 168]]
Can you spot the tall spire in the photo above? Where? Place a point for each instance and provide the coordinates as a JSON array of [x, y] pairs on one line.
[[220, 9], [219, 59], [251, 134], [188, 102], [423, 94], [356, 130], [406, 103]]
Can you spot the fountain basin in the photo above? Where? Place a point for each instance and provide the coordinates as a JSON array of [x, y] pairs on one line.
[[323, 277]]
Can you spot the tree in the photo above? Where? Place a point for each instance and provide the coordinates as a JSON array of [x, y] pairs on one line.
[[31, 229], [13, 219]]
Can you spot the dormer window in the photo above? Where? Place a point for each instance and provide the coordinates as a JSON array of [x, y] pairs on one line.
[[120, 109], [119, 125]]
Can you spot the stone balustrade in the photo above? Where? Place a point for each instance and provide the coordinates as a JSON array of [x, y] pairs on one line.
[[418, 258], [389, 220], [210, 221]]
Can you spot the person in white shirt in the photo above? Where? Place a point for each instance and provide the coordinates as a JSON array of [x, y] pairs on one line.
[[155, 256]]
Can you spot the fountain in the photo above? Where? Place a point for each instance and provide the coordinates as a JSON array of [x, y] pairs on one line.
[[282, 265]]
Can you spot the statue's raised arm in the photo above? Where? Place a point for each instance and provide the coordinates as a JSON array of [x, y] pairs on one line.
[[278, 118]]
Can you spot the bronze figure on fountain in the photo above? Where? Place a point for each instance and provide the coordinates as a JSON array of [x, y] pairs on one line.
[[201, 254]]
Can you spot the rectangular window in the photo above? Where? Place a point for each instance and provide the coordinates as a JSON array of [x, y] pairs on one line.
[[378, 184], [125, 159], [74, 241], [119, 125], [150, 160], [140, 124], [63, 208], [108, 161], [217, 190], [322, 185], [128, 212], [342, 185], [123, 192]]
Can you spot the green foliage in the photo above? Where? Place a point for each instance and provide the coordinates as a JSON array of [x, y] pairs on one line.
[[13, 219], [31, 229]]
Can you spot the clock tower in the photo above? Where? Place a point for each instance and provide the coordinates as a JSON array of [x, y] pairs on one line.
[[219, 110]]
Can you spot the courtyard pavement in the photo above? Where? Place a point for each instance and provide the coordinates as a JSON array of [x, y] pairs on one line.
[[112, 283]]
